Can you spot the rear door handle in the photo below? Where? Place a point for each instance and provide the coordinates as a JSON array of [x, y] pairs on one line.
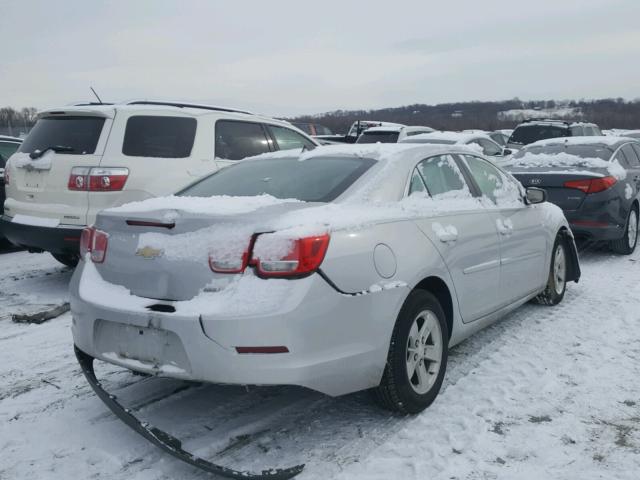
[[445, 234]]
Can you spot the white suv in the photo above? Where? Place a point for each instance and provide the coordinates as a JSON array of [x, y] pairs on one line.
[[82, 159]]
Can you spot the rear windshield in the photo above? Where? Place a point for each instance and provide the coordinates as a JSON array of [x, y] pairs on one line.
[[314, 180], [79, 134], [305, 127], [157, 136], [583, 151], [375, 137], [524, 135]]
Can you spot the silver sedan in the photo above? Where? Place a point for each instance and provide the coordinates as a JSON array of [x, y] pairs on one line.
[[345, 268]]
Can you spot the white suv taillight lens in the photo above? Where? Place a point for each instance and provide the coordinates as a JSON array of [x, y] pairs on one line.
[[304, 257], [98, 179], [95, 242]]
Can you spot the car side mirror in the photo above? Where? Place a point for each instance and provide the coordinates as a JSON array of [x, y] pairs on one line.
[[507, 151], [535, 195]]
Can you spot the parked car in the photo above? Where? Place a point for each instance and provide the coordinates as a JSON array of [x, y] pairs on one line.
[[356, 130], [278, 271], [79, 160], [595, 180], [313, 129], [531, 131], [498, 136], [630, 134], [8, 145], [480, 141], [390, 134]]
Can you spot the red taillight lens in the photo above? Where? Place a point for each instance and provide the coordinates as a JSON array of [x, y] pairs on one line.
[[86, 241], [99, 250], [304, 257], [592, 185], [95, 242], [107, 179]]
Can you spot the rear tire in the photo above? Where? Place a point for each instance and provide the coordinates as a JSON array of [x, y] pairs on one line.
[[419, 344], [557, 280], [70, 260], [627, 244]]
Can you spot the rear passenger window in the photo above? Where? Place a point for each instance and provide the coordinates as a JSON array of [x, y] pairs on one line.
[[158, 136], [630, 153], [287, 139], [636, 149], [416, 185], [441, 175], [237, 140], [621, 158]]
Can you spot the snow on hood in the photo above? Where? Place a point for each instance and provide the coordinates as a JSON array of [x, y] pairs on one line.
[[566, 160], [453, 137]]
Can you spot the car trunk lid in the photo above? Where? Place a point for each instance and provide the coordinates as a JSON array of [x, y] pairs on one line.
[[164, 254], [554, 181]]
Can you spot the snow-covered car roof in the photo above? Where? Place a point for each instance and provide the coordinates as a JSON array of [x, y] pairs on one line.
[[448, 137], [389, 128], [609, 141]]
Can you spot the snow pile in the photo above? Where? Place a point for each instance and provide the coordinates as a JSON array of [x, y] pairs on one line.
[[576, 141], [23, 160], [544, 160], [628, 191], [217, 205]]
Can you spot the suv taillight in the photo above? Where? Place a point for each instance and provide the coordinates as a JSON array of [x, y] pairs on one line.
[[98, 179], [591, 185], [6, 175], [304, 257], [95, 242]]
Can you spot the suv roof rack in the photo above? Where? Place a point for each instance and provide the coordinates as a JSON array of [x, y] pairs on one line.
[[90, 104], [554, 120], [187, 105]]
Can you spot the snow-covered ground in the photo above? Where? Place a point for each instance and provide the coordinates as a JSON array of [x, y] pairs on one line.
[[549, 392]]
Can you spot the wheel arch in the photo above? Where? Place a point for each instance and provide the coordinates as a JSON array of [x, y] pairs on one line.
[[438, 288]]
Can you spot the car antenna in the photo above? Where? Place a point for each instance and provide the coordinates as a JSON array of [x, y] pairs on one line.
[[94, 92]]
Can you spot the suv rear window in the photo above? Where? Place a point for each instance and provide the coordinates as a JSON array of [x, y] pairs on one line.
[[320, 179], [79, 133], [375, 137], [158, 136], [526, 134]]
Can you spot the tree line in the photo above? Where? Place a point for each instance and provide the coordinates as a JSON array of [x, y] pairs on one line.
[[17, 122], [607, 113]]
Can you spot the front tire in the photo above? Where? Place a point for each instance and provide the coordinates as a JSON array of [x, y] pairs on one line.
[[627, 244], [557, 280], [417, 358]]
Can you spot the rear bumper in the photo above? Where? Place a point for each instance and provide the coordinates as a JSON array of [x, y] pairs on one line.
[[59, 240], [337, 343], [596, 227]]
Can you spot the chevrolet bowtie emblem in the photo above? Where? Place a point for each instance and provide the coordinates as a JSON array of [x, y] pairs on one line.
[[149, 252]]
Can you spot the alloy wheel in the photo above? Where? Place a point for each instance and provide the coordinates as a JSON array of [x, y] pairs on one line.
[[424, 351]]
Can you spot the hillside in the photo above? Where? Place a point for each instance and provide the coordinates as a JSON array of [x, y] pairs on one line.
[[608, 113]]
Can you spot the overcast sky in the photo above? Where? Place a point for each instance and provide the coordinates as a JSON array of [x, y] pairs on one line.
[[294, 57]]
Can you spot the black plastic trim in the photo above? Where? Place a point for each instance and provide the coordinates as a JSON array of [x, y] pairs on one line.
[[168, 442]]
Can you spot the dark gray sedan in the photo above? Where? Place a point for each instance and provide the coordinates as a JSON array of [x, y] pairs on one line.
[[595, 180]]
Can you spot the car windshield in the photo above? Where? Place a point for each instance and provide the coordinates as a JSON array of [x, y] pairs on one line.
[[583, 151], [526, 134], [80, 134], [375, 137], [319, 179]]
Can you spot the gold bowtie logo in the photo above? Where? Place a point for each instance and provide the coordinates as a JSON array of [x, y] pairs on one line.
[[149, 252]]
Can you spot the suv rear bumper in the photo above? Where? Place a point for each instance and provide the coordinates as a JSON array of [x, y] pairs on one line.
[[59, 240]]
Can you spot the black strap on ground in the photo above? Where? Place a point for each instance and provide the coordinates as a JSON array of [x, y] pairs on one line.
[[168, 442]]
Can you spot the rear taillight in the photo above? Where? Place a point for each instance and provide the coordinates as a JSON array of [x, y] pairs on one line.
[[592, 185], [98, 179], [304, 257], [94, 242], [229, 264]]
